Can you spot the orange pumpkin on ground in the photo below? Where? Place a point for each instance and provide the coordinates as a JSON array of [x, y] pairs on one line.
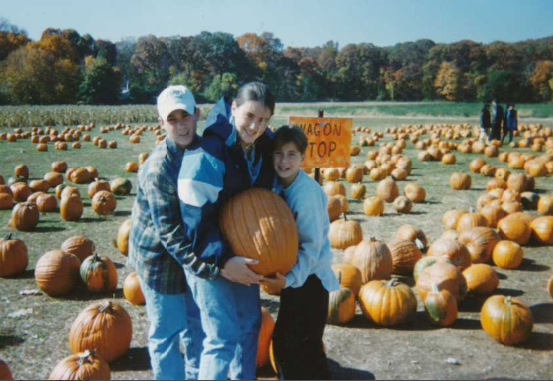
[[14, 257], [243, 222], [481, 279], [57, 273], [344, 233], [133, 291], [454, 250], [514, 229], [341, 306], [104, 203], [71, 208], [104, 327], [123, 237], [414, 234], [81, 366], [405, 254], [426, 262], [264, 338], [542, 230], [373, 206], [480, 243], [349, 276], [99, 274], [387, 190], [507, 320], [451, 218], [374, 260], [25, 216], [441, 307], [507, 255], [444, 276]]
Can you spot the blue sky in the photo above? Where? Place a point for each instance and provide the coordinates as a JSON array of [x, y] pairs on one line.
[[296, 22]]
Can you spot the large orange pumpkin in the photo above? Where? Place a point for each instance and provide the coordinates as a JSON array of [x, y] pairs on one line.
[[25, 216], [97, 186], [79, 246], [71, 208], [103, 327], [387, 190], [388, 303], [14, 257], [441, 307], [451, 218], [373, 206], [480, 243], [6, 201], [507, 255], [57, 273], [373, 259], [259, 225], [542, 230], [507, 319], [545, 206], [264, 338], [414, 234], [444, 276], [344, 233], [21, 191], [99, 274], [481, 279], [358, 191], [133, 291], [460, 181], [333, 188], [47, 203], [426, 262], [82, 366], [104, 203], [471, 220], [514, 229]]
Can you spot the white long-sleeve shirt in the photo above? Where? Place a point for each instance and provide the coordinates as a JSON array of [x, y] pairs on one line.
[[308, 203]]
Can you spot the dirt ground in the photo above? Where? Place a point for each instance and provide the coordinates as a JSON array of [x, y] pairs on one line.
[[34, 329]]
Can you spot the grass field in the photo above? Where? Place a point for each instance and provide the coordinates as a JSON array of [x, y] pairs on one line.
[[34, 329]]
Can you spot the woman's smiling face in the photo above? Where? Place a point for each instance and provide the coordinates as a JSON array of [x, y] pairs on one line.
[[251, 119]]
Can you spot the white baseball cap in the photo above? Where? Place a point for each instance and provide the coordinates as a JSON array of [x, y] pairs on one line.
[[175, 98]]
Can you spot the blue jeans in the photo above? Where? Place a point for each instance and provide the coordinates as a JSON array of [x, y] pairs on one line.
[[231, 318], [173, 318]]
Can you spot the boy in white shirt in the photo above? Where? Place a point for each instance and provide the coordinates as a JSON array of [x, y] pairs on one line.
[[297, 339]]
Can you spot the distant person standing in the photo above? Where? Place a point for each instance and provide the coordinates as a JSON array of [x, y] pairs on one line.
[[511, 122], [497, 120], [485, 123]]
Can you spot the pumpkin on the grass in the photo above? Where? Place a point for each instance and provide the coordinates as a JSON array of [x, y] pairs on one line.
[[99, 274], [542, 230], [79, 246], [454, 250], [133, 291], [507, 319], [441, 307], [405, 254], [388, 303], [334, 207], [57, 273], [451, 218], [121, 186], [341, 306], [97, 186], [104, 203], [81, 366], [481, 279], [25, 216], [344, 233], [123, 237], [6, 201], [5, 372], [71, 208], [259, 225], [14, 257], [105, 327], [480, 243], [264, 338], [349, 276], [507, 255], [445, 276], [426, 262], [373, 206], [373, 259], [414, 234], [515, 229]]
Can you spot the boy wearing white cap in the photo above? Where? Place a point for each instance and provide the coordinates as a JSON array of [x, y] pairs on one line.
[[159, 250]]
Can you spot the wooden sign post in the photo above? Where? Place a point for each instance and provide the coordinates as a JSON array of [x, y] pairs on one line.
[[329, 141]]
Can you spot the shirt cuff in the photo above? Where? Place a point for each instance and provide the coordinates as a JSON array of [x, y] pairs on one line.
[[289, 280]]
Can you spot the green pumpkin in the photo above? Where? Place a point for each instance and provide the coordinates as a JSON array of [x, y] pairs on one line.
[[121, 187]]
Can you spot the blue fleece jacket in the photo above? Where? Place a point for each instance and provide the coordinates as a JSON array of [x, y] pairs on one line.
[[210, 175]]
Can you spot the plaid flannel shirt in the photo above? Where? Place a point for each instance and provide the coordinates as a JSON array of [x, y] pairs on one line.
[[159, 249]]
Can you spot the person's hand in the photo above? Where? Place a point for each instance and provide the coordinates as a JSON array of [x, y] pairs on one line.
[[273, 286], [236, 270]]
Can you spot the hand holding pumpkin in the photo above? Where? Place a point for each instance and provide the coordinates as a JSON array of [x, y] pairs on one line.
[[236, 270], [274, 285]]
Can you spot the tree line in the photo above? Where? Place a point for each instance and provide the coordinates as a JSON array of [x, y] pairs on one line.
[[65, 67]]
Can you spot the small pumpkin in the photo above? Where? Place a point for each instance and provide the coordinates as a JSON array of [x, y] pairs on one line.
[[47, 203], [25, 216], [6, 201], [57, 273], [21, 191], [481, 279], [403, 205], [97, 186], [460, 181], [132, 166], [388, 303], [349, 276], [133, 291], [451, 218], [334, 207], [99, 274], [59, 166], [514, 229], [105, 327], [354, 175], [344, 233], [123, 237], [104, 203], [343, 202], [477, 164], [493, 214], [21, 171], [341, 306], [79, 246], [373, 206], [333, 188], [373, 259], [387, 190], [71, 208], [358, 191], [507, 320], [545, 206], [441, 307], [14, 257], [39, 185], [81, 176], [414, 234], [415, 193], [471, 220], [69, 190], [81, 366], [507, 255]]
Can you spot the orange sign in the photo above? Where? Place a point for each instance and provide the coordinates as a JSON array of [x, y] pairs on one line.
[[329, 141]]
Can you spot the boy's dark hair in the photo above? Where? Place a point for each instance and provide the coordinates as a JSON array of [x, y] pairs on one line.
[[290, 134], [257, 92]]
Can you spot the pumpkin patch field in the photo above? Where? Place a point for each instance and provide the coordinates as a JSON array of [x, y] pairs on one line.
[[444, 253]]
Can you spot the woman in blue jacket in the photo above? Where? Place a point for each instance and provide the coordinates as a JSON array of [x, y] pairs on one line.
[[510, 122], [235, 155]]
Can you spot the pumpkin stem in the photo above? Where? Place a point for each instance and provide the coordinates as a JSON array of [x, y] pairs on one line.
[[435, 288], [508, 301], [106, 307], [9, 237], [84, 357], [419, 244], [340, 277], [392, 282], [345, 217]]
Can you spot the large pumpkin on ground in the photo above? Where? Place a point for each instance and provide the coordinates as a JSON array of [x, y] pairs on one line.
[[373, 259], [542, 230], [259, 225], [57, 273], [121, 187], [25, 216], [481, 279], [480, 243], [103, 327], [405, 254], [507, 255], [71, 208], [14, 257], [99, 274], [426, 262], [79, 246], [82, 366], [104, 203], [444, 276], [344, 233], [388, 303], [507, 319], [454, 250], [349, 276]]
